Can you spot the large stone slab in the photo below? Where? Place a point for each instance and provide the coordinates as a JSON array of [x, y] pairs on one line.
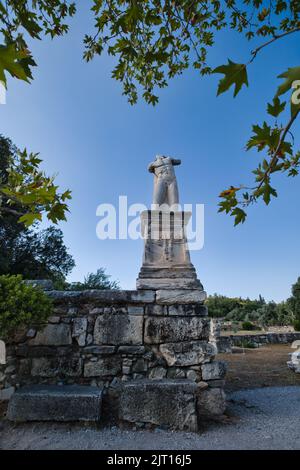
[[173, 329], [178, 296], [166, 403], [211, 402], [56, 403], [56, 367], [53, 335], [188, 353], [119, 329], [105, 297]]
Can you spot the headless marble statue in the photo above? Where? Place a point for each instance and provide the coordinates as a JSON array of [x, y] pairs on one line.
[[166, 260], [165, 183]]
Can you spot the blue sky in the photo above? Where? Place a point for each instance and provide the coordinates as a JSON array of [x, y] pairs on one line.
[[74, 114]]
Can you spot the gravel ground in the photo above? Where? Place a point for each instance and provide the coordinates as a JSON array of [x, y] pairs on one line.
[[264, 418]]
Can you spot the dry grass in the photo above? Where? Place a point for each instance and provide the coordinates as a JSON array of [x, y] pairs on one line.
[[262, 367]]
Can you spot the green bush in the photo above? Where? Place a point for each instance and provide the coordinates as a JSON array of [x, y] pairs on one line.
[[21, 305], [297, 325], [248, 325]]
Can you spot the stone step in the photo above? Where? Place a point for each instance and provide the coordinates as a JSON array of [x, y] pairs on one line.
[[56, 403], [165, 403]]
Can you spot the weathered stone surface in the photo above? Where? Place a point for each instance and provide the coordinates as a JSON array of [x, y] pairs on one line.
[[53, 335], [214, 370], [168, 283], [105, 297], [6, 393], [103, 367], [158, 373], [223, 345], [187, 354], [188, 310], [177, 296], [131, 350], [174, 373], [119, 329], [211, 402], [192, 375], [100, 350], [164, 403], [56, 403], [54, 319], [156, 310], [79, 330], [140, 366], [173, 329], [135, 310], [56, 367], [2, 353]]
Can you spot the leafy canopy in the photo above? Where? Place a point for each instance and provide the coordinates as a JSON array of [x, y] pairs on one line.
[[25, 190], [153, 41]]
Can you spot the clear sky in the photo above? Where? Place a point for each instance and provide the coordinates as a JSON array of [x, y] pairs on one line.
[[74, 114]]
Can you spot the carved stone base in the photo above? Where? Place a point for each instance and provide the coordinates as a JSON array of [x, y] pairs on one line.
[[166, 261]]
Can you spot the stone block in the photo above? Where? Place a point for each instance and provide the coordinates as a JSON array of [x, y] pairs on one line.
[[56, 403], [157, 373], [102, 350], [168, 283], [106, 366], [138, 350], [187, 354], [105, 297], [135, 310], [53, 335], [177, 296], [188, 310], [6, 393], [119, 329], [166, 403], [79, 330], [214, 370], [173, 329], [156, 310], [211, 402], [56, 367]]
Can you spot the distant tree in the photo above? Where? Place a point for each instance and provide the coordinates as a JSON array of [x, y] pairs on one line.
[[34, 255], [99, 280], [294, 302], [25, 190], [247, 310]]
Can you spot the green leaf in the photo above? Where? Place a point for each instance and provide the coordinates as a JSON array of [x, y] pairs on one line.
[[276, 108], [10, 62], [239, 216], [291, 75], [268, 191], [30, 218], [234, 74]]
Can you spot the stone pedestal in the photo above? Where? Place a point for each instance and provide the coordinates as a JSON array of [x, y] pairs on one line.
[[166, 260]]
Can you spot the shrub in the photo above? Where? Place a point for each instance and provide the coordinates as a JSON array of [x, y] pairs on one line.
[[297, 325], [248, 325], [21, 305]]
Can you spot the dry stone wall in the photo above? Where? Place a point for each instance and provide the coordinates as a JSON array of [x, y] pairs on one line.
[[108, 338]]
